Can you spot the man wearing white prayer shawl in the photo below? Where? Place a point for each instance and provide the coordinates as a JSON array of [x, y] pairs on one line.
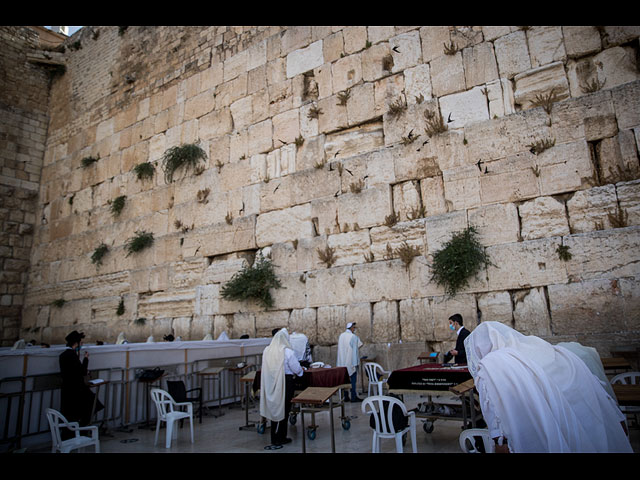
[[541, 398], [279, 365], [349, 356]]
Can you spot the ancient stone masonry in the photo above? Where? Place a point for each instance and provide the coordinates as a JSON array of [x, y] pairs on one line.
[[359, 141]]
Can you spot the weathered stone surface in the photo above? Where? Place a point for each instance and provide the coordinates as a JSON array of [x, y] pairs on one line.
[[590, 209], [525, 264], [581, 40], [543, 217], [378, 201], [440, 228], [495, 223], [447, 74], [385, 238], [480, 64], [512, 54], [495, 307], [461, 109], [349, 247], [628, 194], [546, 45], [406, 200], [284, 225], [304, 321], [353, 141], [304, 59], [540, 82], [386, 324], [530, 312]]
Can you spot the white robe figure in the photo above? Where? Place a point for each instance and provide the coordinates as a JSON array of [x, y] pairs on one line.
[[348, 345], [541, 397], [272, 380]]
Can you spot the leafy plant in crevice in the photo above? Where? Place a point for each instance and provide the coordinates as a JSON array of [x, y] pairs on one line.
[[563, 253], [144, 170], [140, 321], [100, 251], [139, 242], [117, 204], [59, 302], [186, 156], [88, 161], [120, 310], [327, 255], [459, 260], [253, 282], [407, 253], [435, 123]]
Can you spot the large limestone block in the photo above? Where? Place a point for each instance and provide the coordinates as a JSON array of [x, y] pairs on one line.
[[310, 153], [406, 200], [512, 54], [500, 97], [353, 141], [198, 106], [286, 127], [617, 158], [447, 74], [235, 175], [350, 247], [324, 215], [629, 201], [506, 136], [379, 281], [362, 315], [188, 273], [465, 188], [405, 50], [546, 45], [388, 91], [292, 294], [384, 238], [284, 225], [434, 38], [496, 223], [565, 168], [604, 254], [416, 319], [581, 40], [418, 83], [590, 209], [626, 100], [372, 62], [543, 217], [495, 307], [299, 188], [410, 162], [223, 267], [267, 321], [346, 72], [531, 312], [461, 109], [540, 82], [238, 236], [379, 206], [595, 306], [375, 168], [361, 104], [386, 322], [281, 162], [332, 116], [304, 320], [176, 303], [480, 64], [261, 137], [245, 323], [440, 228], [525, 264], [331, 323], [304, 59], [432, 194]]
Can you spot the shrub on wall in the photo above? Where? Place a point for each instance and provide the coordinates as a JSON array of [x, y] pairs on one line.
[[184, 156], [253, 282], [458, 261]]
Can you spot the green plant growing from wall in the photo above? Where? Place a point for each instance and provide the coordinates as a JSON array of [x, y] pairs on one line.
[[58, 303], [253, 282], [98, 254], [435, 123], [327, 255], [139, 242], [185, 156], [563, 253], [407, 253], [140, 321], [120, 310], [117, 204], [144, 170], [459, 260], [88, 161]]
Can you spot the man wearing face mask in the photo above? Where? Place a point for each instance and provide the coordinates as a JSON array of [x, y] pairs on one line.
[[76, 398], [459, 353]]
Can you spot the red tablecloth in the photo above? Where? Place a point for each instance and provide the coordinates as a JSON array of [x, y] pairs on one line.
[[315, 377], [429, 376]]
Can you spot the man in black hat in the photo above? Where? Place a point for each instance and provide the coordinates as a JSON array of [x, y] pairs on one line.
[[76, 402]]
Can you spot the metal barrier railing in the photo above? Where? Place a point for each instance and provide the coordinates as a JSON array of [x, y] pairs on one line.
[[126, 401]]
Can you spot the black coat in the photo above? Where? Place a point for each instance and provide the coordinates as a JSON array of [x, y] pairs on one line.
[[462, 352], [76, 402]]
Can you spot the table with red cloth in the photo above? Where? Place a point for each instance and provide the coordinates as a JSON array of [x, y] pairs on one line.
[[428, 376], [315, 377], [441, 383]]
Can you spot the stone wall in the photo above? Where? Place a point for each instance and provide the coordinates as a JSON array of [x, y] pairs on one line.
[[315, 136], [24, 96]]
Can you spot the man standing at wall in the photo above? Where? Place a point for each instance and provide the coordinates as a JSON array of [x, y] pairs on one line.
[[349, 356], [459, 353]]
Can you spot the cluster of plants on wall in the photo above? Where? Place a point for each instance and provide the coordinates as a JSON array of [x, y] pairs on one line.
[[253, 282]]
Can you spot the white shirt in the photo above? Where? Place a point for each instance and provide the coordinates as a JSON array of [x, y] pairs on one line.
[[291, 363]]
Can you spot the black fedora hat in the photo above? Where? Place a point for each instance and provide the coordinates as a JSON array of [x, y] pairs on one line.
[[74, 337]]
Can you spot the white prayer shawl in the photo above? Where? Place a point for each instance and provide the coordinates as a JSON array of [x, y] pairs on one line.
[[541, 397], [346, 355], [272, 379], [591, 358]]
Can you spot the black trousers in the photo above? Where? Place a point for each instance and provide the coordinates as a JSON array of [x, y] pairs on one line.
[[279, 429]]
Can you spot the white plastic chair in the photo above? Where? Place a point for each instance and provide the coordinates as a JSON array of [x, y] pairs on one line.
[[384, 423], [374, 372], [167, 410], [467, 440], [58, 421]]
